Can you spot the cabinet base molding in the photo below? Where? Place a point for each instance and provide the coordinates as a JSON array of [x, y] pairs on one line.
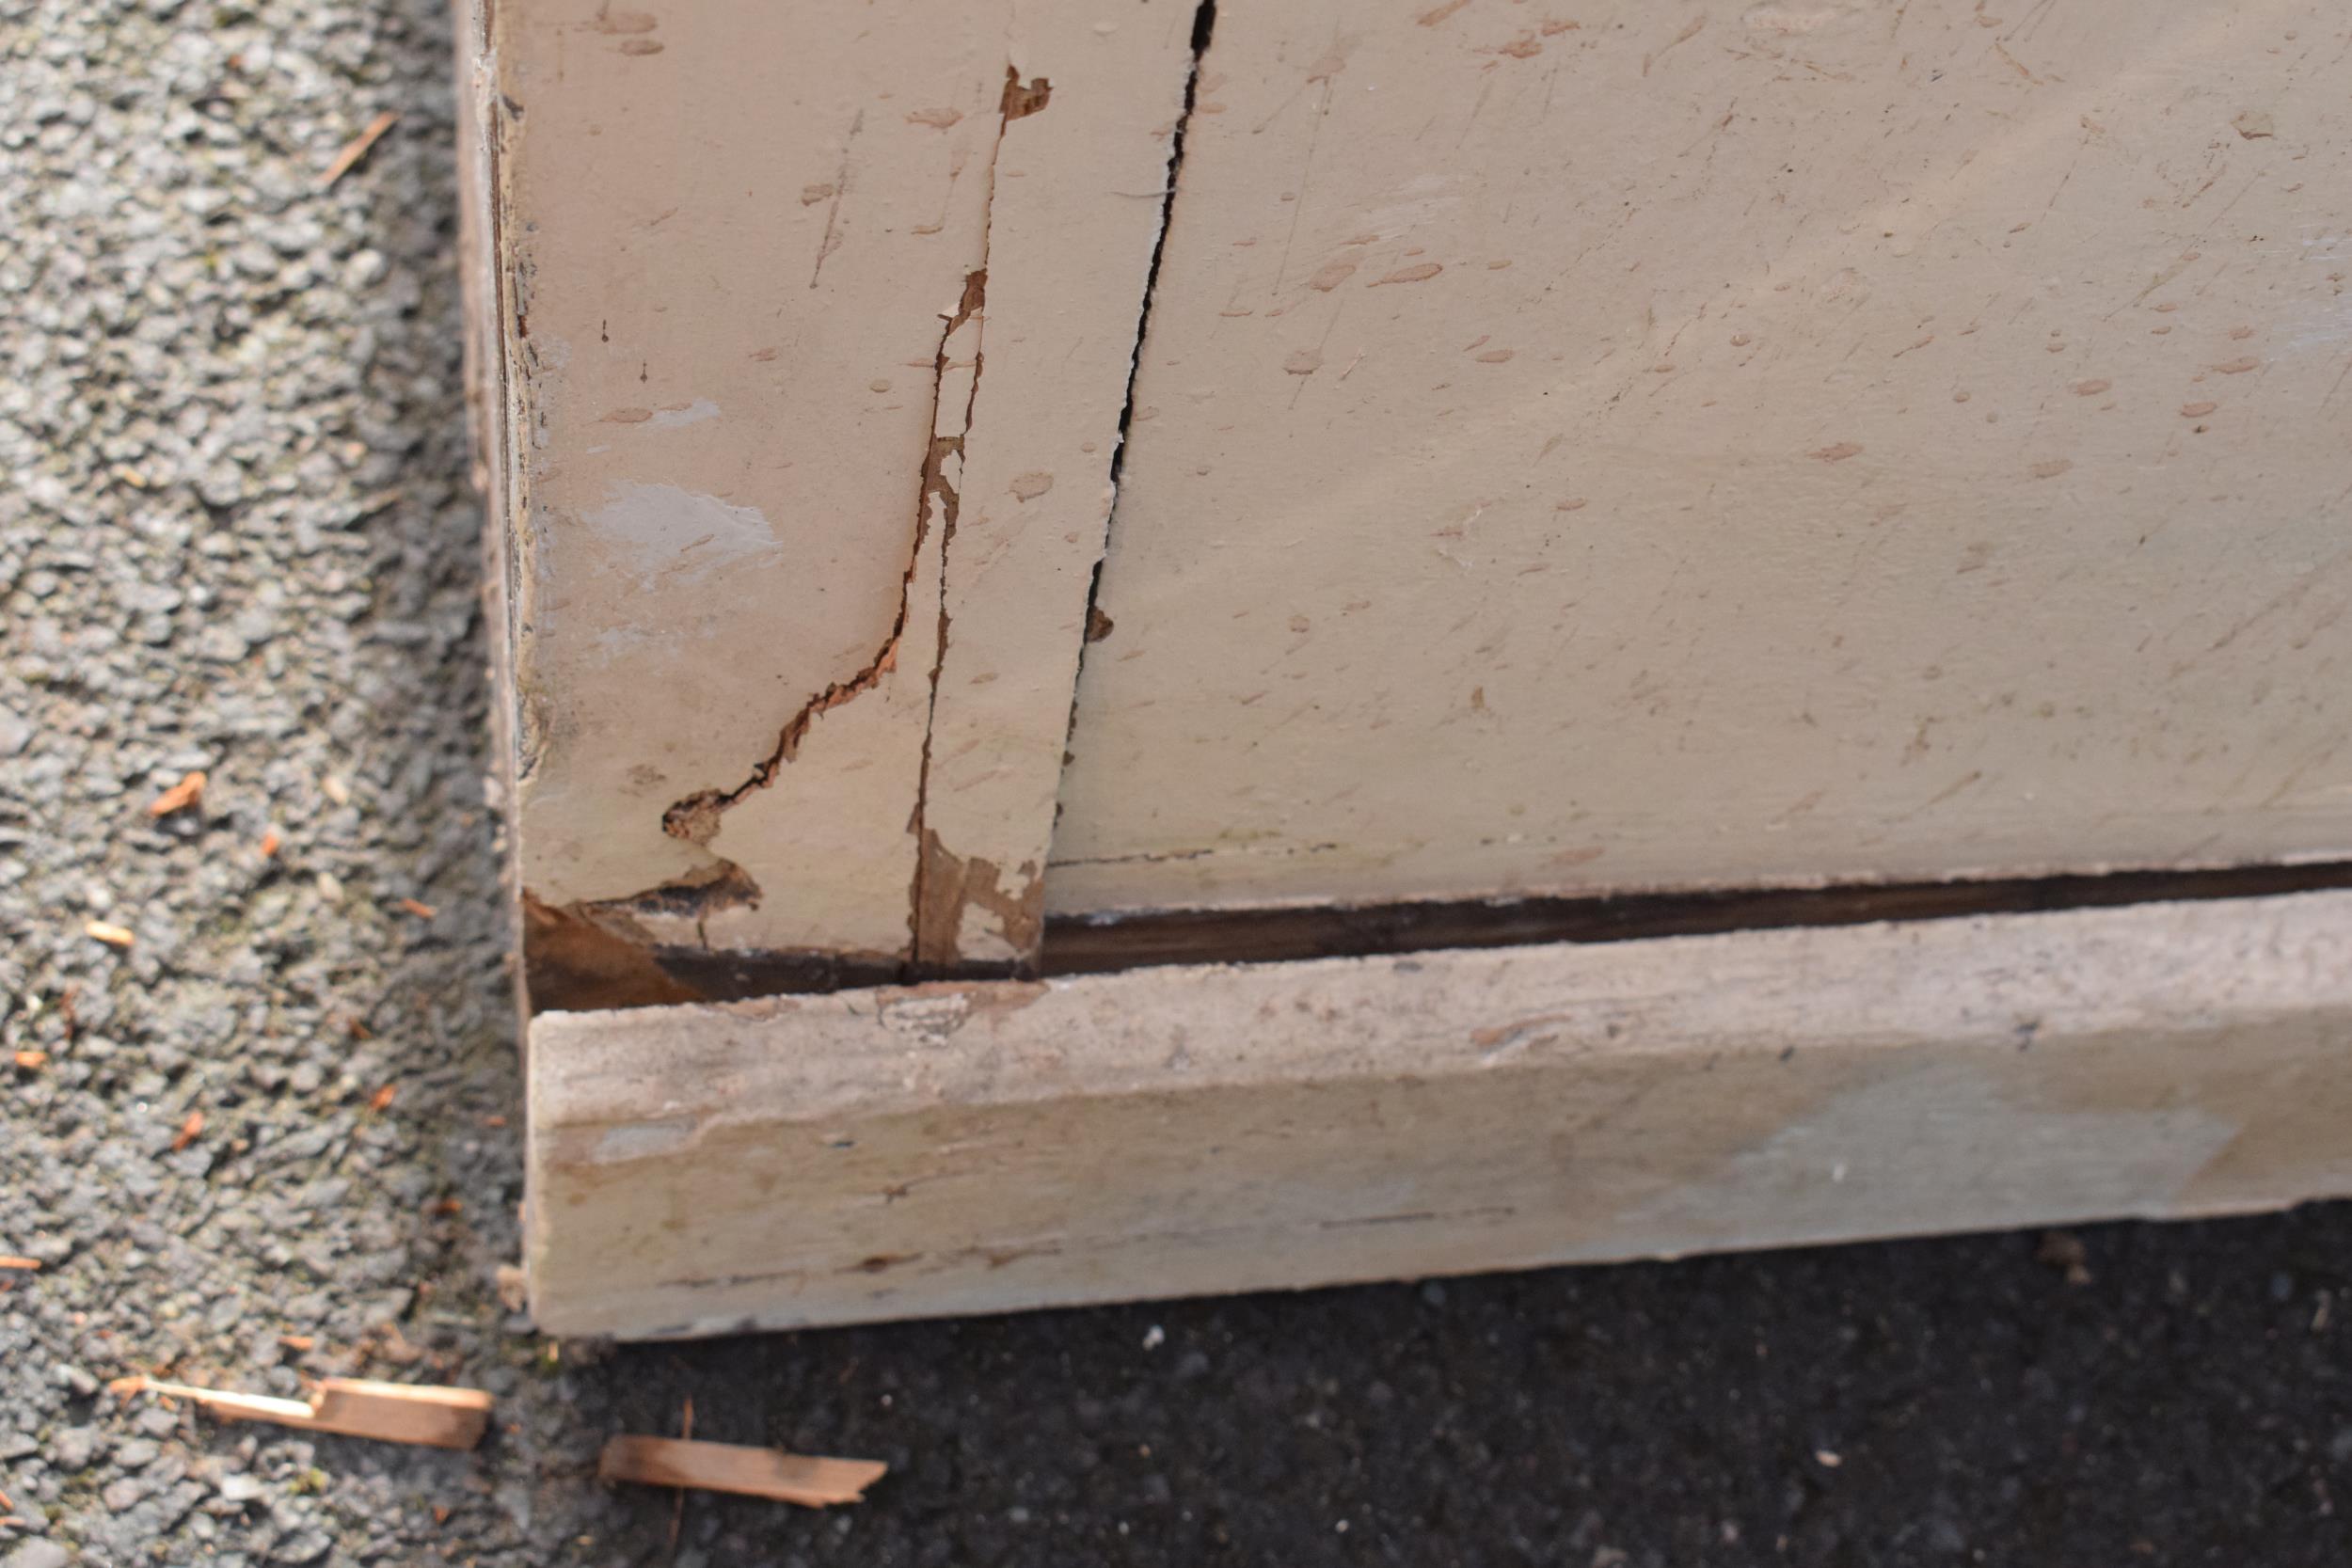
[[950, 1149]]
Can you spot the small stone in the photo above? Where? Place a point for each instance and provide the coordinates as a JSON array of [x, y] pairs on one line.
[[73, 1448], [302, 1547], [40, 1554], [220, 645]]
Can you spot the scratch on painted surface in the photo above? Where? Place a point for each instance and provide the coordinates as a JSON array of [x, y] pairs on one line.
[[696, 818], [826, 245]]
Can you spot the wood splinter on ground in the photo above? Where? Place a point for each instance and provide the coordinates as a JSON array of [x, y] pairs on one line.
[[188, 792], [356, 148], [790, 1478], [356, 1407]]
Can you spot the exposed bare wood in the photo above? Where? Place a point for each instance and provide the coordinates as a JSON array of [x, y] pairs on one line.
[[952, 1149], [421, 1413], [357, 148], [790, 1478], [727, 240], [188, 792]]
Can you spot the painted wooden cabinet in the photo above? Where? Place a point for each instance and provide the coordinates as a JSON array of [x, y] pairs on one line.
[[994, 489]]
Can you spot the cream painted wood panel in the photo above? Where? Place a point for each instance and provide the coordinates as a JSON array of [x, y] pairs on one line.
[[1080, 191], [719, 518], [1618, 444], [743, 254], [950, 1149]]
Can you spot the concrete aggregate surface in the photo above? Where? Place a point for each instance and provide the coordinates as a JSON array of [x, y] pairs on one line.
[[258, 1088]]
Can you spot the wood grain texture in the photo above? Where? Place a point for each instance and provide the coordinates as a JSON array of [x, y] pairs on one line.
[[953, 1149], [438, 1416], [1637, 446], [426, 1414], [790, 1478], [732, 244]]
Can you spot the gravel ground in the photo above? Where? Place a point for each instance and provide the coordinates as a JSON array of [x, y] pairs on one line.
[[275, 1134]]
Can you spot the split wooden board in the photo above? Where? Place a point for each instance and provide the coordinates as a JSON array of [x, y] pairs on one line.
[[810, 341], [428, 1414], [792, 1478], [978, 1147]]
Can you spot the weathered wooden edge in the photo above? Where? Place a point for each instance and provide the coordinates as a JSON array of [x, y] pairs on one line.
[[957, 1148], [485, 357], [695, 719], [809, 1481], [428, 1414]]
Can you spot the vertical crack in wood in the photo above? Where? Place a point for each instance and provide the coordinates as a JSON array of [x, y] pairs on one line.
[[696, 819], [946, 883], [931, 922], [1203, 25]]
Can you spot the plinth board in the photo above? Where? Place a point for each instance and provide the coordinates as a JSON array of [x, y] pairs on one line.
[[957, 1148]]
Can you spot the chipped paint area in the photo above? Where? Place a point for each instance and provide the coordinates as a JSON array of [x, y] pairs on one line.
[[1850, 1165], [664, 533], [966, 913], [693, 413], [644, 1140], [715, 517], [925, 1019], [732, 288]]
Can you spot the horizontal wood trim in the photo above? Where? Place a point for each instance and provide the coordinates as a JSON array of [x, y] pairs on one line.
[[952, 1149]]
